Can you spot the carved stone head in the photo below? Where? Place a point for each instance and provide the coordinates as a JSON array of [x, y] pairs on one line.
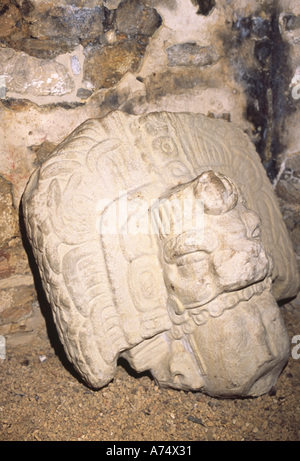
[[156, 240], [218, 279], [221, 254]]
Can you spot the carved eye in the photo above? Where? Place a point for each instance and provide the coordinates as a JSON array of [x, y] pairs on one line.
[[192, 258], [191, 246]]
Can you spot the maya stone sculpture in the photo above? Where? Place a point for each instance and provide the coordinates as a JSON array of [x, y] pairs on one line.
[[159, 239]]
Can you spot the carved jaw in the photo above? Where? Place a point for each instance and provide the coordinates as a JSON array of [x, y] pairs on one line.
[[250, 347], [238, 351]]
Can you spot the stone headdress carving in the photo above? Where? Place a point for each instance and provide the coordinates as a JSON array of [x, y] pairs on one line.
[[120, 285]]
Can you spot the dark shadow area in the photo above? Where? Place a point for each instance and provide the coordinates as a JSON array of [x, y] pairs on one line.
[[283, 302], [43, 302], [131, 372], [205, 7], [266, 82]]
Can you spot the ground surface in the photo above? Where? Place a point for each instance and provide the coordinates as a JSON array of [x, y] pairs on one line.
[[41, 399]]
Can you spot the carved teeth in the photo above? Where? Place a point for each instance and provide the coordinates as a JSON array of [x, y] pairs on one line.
[[229, 300], [216, 308], [247, 293]]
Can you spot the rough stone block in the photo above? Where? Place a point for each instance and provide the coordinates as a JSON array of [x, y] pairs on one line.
[[191, 54], [8, 213], [135, 18], [106, 65], [38, 77]]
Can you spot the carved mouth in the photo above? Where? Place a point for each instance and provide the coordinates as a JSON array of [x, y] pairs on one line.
[[226, 301]]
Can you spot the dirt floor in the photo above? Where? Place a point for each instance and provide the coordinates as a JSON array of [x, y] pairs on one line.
[[43, 400]]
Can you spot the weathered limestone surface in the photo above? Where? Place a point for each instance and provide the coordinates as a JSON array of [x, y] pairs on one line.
[[152, 245]]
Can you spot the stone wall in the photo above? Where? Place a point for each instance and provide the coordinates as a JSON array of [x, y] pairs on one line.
[[64, 61]]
